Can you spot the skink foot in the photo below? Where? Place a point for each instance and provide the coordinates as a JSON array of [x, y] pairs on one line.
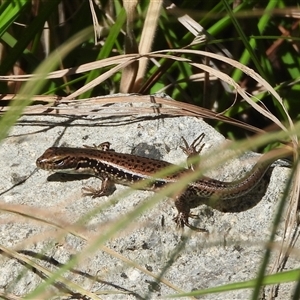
[[182, 219]]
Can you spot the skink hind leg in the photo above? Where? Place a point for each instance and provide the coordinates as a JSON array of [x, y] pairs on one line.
[[182, 219], [191, 150], [182, 202], [106, 189]]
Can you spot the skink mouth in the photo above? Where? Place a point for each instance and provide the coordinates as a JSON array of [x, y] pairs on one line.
[[42, 165], [39, 163]]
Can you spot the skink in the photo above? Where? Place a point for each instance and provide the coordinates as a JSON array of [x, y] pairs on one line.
[[126, 169]]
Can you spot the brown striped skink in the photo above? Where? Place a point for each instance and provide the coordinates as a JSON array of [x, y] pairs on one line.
[[126, 169]]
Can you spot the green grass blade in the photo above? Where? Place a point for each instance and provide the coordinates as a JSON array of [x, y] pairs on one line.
[[28, 35], [9, 12]]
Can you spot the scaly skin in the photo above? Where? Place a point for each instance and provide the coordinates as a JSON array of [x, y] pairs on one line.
[[126, 169]]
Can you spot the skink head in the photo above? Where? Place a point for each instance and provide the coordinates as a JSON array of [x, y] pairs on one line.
[[57, 159]]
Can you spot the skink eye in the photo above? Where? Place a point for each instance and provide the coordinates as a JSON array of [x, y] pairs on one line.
[[60, 162]]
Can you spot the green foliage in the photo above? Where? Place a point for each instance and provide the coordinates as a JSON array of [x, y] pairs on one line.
[[245, 32]]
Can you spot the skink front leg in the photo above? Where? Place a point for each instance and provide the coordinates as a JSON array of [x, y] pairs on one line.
[[106, 189], [105, 146], [107, 186]]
